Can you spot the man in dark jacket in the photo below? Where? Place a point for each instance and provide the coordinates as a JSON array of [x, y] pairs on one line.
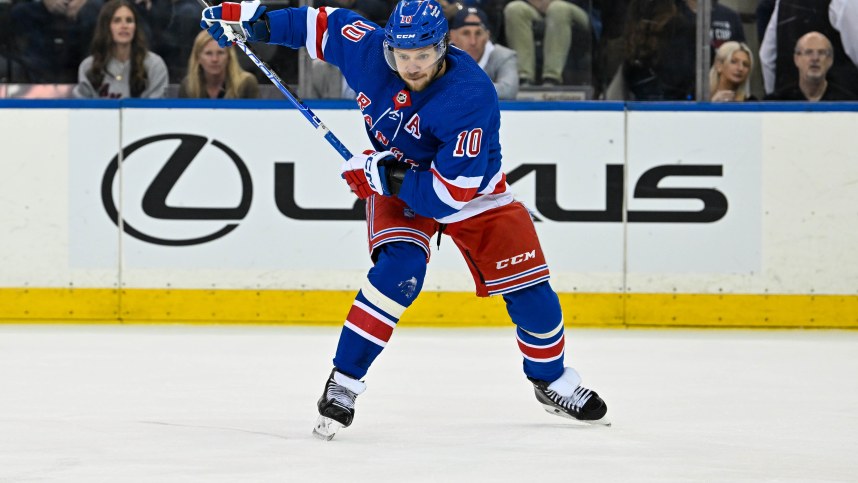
[[813, 56]]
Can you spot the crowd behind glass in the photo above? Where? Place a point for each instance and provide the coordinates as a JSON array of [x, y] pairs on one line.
[[804, 50]]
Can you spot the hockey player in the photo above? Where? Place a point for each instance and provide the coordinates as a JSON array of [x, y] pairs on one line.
[[433, 119]]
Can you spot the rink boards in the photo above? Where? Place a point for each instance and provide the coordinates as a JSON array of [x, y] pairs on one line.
[[650, 215]]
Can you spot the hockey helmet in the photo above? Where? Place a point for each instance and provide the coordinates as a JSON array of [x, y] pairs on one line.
[[415, 24]]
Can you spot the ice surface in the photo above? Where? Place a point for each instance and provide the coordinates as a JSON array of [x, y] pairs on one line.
[[237, 404]]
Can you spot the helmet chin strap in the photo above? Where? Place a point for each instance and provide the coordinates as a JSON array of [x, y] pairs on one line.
[[439, 67]]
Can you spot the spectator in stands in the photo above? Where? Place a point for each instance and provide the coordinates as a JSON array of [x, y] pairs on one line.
[[469, 31], [214, 73], [763, 14], [449, 7], [51, 37], [843, 15], [813, 57], [121, 64], [725, 23], [560, 17], [792, 19], [175, 25], [729, 77], [659, 52], [10, 69], [325, 81], [609, 49]]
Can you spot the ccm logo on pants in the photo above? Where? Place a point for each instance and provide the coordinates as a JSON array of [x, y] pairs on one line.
[[516, 259]]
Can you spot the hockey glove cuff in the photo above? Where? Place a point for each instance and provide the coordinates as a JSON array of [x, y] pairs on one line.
[[374, 172], [228, 22]]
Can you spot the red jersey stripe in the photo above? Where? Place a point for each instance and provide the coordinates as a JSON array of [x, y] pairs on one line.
[[501, 186], [459, 194], [321, 30], [369, 324]]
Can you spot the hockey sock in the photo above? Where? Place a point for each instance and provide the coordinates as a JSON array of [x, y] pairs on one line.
[[536, 313], [392, 285]]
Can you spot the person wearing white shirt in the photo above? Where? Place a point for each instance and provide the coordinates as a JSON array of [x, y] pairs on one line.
[[843, 15]]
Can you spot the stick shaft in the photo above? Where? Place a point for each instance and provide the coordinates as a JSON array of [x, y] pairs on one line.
[[292, 97]]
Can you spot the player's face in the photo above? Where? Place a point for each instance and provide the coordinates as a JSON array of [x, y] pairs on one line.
[[122, 26], [213, 59], [471, 38], [417, 67]]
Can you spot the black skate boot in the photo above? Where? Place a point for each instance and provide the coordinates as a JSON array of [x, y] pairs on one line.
[[337, 404], [566, 397]]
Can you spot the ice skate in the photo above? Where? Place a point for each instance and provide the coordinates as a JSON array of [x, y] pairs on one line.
[[337, 405], [566, 397]]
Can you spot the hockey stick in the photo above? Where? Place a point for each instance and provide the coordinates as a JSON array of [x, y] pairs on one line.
[[291, 96]]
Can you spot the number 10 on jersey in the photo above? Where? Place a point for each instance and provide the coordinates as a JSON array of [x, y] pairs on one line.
[[469, 140]]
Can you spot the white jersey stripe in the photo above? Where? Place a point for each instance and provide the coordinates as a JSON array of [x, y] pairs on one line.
[[310, 43], [464, 182], [357, 330], [549, 359], [411, 231], [492, 186], [316, 49], [517, 275], [477, 206], [445, 196], [546, 335], [519, 286], [558, 341]]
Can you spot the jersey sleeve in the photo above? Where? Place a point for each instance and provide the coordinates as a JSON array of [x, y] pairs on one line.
[[460, 171], [334, 35]]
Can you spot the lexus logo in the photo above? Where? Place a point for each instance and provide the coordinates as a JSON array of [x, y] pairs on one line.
[[154, 202]]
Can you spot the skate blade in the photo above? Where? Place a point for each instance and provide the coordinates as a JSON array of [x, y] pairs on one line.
[[603, 421], [326, 428]]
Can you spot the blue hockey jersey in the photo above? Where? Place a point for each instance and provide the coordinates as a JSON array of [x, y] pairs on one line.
[[448, 131]]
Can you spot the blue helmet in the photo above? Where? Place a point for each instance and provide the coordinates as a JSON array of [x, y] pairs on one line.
[[414, 24]]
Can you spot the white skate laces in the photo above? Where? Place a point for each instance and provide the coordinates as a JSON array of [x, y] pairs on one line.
[[345, 390], [568, 391], [566, 397], [576, 401]]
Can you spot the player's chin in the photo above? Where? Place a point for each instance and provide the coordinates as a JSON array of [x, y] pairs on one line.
[[417, 85]]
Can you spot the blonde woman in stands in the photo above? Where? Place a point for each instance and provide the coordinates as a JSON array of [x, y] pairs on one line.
[[121, 64], [730, 74], [214, 73]]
